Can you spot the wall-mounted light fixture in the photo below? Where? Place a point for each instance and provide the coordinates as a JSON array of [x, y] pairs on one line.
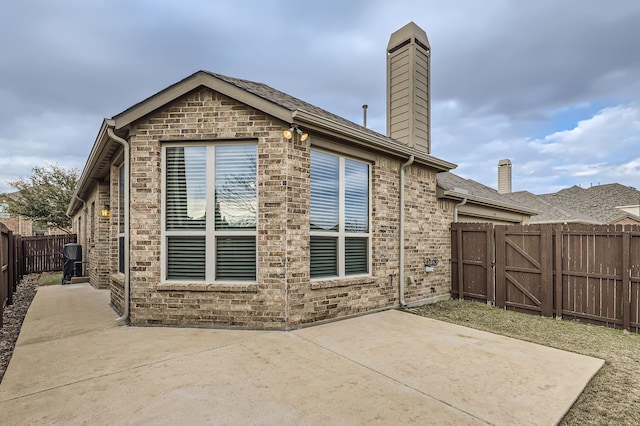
[[288, 134], [106, 211]]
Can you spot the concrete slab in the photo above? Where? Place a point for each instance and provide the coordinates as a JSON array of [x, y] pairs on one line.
[[494, 378], [74, 364]]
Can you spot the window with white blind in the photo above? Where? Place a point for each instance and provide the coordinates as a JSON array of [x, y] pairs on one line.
[[121, 248], [340, 230], [210, 212]]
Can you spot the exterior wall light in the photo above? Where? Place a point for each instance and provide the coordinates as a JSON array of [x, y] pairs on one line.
[[106, 211], [288, 134]]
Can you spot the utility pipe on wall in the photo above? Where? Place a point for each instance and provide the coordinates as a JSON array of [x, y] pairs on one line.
[[85, 248], [127, 204], [402, 168], [455, 210]]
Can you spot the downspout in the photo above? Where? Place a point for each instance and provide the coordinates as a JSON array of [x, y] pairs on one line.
[[455, 210], [84, 232], [127, 204], [404, 166]]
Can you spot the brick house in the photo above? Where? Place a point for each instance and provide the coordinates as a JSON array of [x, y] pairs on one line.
[[224, 202]]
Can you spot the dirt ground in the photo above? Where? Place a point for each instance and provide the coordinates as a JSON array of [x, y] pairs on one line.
[[612, 396], [13, 316]]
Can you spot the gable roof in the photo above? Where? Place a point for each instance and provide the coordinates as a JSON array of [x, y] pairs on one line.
[[258, 96], [594, 205], [455, 187], [548, 212], [285, 107], [598, 202]]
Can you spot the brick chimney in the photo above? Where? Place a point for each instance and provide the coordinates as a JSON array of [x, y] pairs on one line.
[[504, 176], [409, 87]]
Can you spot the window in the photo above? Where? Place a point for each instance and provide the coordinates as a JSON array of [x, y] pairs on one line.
[[4, 210], [340, 235], [121, 248], [217, 178]]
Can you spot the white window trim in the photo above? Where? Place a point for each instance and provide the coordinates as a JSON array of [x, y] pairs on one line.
[[342, 234], [120, 234], [209, 232]]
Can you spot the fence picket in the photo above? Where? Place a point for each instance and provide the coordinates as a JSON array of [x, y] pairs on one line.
[[581, 272]]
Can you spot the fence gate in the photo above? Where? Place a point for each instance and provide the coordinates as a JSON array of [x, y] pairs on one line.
[[589, 273], [472, 261], [524, 268]]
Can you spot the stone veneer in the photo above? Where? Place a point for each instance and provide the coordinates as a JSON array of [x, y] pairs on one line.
[[283, 296]]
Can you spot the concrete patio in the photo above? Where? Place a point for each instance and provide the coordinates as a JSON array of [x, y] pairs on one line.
[[73, 364]]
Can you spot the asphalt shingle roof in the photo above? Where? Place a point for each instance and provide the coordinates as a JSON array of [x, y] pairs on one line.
[[596, 204], [452, 182]]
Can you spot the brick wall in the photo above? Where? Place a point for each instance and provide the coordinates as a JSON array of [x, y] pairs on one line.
[[283, 296]]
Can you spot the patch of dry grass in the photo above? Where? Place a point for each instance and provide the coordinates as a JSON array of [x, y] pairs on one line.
[[612, 396]]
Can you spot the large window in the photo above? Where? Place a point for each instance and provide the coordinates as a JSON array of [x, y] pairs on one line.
[[199, 181], [121, 248], [340, 235]]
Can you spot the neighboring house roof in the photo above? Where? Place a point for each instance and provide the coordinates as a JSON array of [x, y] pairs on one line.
[[549, 213], [458, 188], [593, 205], [256, 95]]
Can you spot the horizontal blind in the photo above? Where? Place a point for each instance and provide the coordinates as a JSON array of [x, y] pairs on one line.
[[186, 187], [325, 187], [186, 258], [236, 258], [356, 202], [356, 255], [324, 256], [236, 189]]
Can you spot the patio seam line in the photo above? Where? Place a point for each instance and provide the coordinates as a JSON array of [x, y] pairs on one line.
[[134, 368], [394, 380]]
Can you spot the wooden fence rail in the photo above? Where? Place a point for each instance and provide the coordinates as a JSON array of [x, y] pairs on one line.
[[580, 272], [44, 254], [8, 269]]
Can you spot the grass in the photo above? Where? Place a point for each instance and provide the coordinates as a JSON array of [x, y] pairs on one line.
[[50, 279], [612, 396]]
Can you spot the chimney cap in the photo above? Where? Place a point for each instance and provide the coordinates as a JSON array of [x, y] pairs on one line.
[[408, 32]]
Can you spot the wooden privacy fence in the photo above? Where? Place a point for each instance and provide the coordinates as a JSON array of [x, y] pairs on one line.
[[44, 254], [588, 273], [9, 275]]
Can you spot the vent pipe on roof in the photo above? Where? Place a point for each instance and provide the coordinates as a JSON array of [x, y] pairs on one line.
[[364, 115]]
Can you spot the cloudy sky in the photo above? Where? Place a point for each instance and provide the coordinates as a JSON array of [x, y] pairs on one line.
[[553, 85]]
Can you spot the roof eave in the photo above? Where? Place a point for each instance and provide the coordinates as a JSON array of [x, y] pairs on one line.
[[459, 196], [370, 140], [85, 178], [194, 82]]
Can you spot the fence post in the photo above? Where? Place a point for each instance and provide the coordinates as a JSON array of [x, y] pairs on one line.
[[626, 281], [460, 266], [546, 269], [558, 271], [491, 296], [501, 265]]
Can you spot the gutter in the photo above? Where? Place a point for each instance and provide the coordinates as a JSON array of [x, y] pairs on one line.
[[127, 205], [367, 139], [403, 303]]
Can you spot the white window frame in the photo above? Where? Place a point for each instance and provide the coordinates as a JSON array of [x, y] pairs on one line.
[[210, 233], [342, 234], [122, 180]]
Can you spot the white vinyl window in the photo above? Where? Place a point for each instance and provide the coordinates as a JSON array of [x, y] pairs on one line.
[[210, 212], [340, 230], [121, 254]]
